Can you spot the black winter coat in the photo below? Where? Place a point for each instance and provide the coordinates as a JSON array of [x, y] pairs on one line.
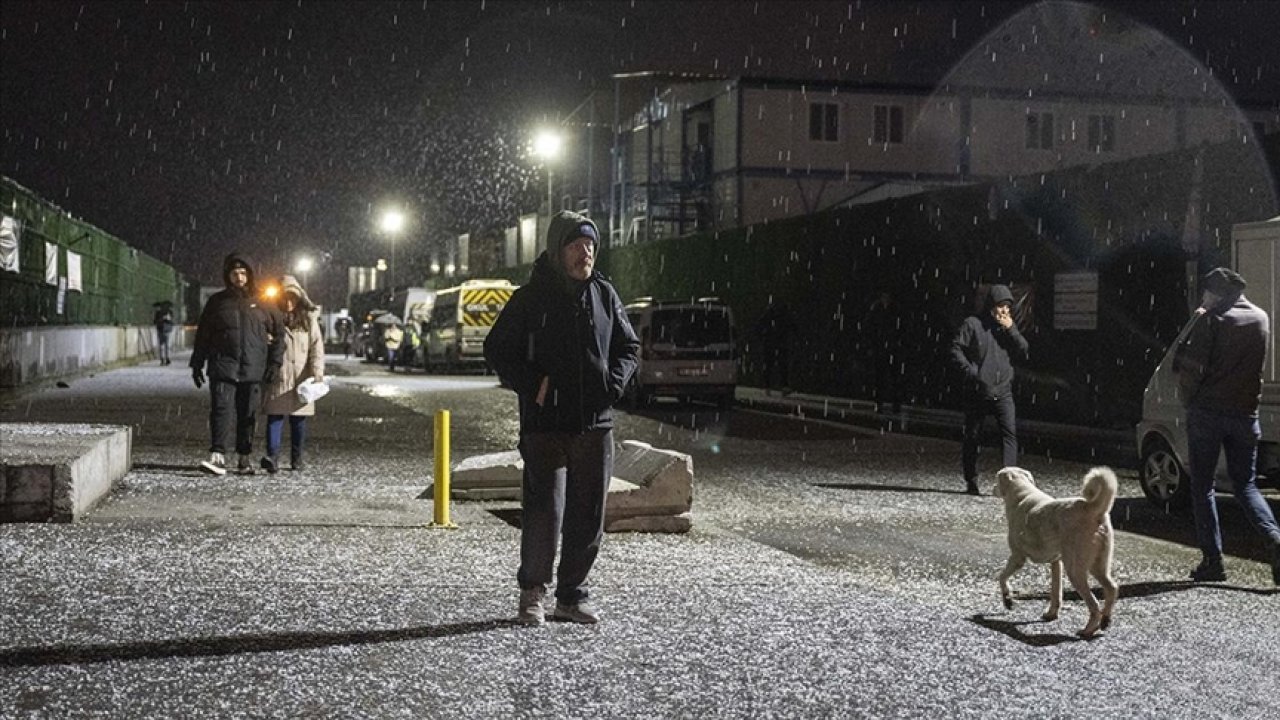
[[1220, 361], [576, 334], [238, 336], [981, 350]]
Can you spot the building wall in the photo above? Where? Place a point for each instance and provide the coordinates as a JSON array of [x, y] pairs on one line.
[[29, 355], [773, 198]]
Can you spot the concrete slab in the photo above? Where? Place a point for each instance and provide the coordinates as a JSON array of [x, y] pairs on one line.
[[54, 472], [651, 489]]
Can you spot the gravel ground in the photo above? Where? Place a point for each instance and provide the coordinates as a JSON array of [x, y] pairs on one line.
[[832, 572]]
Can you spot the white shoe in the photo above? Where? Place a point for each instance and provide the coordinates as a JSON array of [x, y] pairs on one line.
[[215, 465]]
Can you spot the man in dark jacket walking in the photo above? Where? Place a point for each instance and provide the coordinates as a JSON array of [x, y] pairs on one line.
[[982, 350], [1219, 366], [241, 341], [564, 344]]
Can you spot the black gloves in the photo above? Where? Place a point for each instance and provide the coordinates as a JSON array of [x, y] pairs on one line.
[[197, 376], [269, 376]]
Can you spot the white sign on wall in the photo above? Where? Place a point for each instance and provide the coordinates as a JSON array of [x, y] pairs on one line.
[[1075, 301]]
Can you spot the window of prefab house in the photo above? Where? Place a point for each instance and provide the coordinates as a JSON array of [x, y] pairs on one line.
[[1040, 131], [888, 124], [1102, 133], [824, 122]]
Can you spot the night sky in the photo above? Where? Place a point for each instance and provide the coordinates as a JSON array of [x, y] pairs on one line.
[[193, 128]]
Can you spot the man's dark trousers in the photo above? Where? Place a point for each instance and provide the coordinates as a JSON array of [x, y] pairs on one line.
[[566, 476], [1210, 433], [976, 410], [233, 405]]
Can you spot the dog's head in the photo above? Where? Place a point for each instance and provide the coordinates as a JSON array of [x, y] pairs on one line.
[[1009, 479]]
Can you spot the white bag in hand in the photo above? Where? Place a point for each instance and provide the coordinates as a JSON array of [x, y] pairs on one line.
[[310, 391]]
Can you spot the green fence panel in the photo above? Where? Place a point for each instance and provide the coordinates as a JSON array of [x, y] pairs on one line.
[[119, 284]]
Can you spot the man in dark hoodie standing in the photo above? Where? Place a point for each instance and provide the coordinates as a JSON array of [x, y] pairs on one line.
[[564, 344], [1219, 366], [241, 341], [982, 350]]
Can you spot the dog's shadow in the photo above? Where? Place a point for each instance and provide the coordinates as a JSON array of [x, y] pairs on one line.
[[1133, 590], [1014, 630]]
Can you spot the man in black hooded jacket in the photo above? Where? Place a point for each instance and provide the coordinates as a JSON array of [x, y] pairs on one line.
[[981, 350], [564, 344], [241, 340]]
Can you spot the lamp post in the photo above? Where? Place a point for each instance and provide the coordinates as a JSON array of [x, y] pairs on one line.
[[391, 223], [546, 145], [303, 267]]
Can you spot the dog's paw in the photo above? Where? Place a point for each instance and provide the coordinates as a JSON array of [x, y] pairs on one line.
[[1096, 623], [1106, 622], [1008, 602], [1049, 616]]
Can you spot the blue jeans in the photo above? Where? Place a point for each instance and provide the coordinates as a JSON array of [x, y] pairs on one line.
[[1209, 432], [297, 434]]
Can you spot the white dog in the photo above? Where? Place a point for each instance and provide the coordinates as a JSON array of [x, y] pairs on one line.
[[1075, 532]]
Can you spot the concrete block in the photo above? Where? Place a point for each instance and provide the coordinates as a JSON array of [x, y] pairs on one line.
[[496, 476], [29, 483], [663, 481], [57, 472], [651, 489], [650, 524]]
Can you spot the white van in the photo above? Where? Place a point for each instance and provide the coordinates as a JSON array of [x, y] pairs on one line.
[[1162, 433], [687, 350], [460, 320]]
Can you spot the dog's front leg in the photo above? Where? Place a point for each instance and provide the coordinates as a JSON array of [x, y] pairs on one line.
[[1055, 591], [1016, 560]]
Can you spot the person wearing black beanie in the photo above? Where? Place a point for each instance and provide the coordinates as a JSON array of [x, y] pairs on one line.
[[564, 344]]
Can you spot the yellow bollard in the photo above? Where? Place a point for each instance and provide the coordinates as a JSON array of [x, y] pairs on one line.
[[442, 471]]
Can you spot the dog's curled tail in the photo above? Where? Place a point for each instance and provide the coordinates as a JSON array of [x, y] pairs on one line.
[[1100, 487]]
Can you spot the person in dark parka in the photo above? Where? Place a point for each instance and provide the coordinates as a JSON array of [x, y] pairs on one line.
[[240, 341], [564, 344], [982, 350]]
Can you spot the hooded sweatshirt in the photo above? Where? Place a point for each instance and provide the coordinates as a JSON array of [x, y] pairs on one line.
[[982, 350], [238, 337], [1219, 362], [574, 333]]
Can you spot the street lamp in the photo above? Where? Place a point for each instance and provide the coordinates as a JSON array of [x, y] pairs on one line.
[[303, 267], [546, 145], [392, 223]]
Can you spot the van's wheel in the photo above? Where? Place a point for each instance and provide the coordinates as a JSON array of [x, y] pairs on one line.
[[1164, 481]]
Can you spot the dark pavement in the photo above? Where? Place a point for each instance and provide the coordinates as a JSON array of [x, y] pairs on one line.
[[833, 571]]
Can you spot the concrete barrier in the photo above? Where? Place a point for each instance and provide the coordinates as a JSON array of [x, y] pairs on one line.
[[32, 354], [651, 489], [56, 473]]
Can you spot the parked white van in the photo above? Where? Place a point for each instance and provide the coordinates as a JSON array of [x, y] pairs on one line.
[[687, 350], [1162, 433]]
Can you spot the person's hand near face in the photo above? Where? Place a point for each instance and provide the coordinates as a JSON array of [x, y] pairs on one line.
[[1003, 314]]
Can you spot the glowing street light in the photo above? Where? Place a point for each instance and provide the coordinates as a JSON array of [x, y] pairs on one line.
[[392, 222], [303, 266], [546, 145]]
